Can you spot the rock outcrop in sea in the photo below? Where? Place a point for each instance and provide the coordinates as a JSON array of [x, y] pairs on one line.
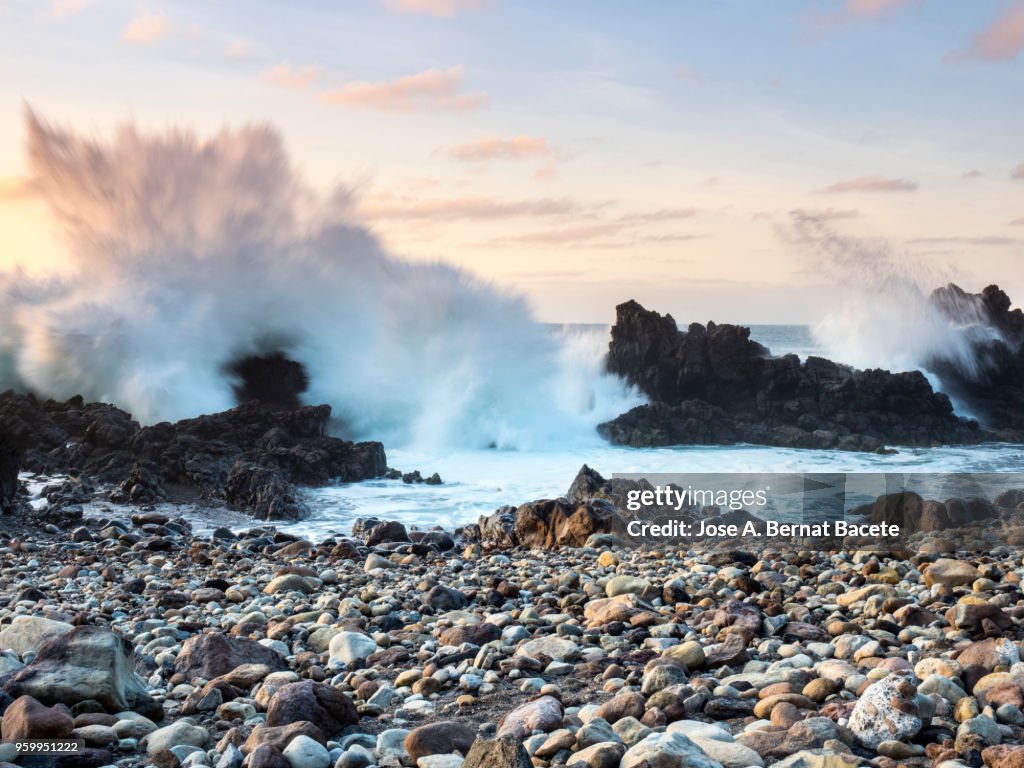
[[713, 385], [252, 456]]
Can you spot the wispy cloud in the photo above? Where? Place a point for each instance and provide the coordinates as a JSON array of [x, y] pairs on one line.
[[851, 11], [62, 9], [146, 28], [470, 207], [238, 49], [871, 184], [996, 240], [873, 7], [663, 214], [683, 72], [1017, 222], [287, 76], [431, 89], [498, 148], [825, 214], [1018, 172], [1001, 40], [974, 173], [441, 8]]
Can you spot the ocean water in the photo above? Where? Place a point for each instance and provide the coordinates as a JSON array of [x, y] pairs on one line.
[[476, 482]]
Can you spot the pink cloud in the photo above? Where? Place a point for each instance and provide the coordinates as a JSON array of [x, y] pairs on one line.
[[146, 28], [442, 8], [873, 7], [286, 76], [683, 72], [825, 214], [1001, 40], [431, 89], [1017, 222], [62, 9], [663, 214], [495, 148], [1018, 172], [486, 208], [872, 184]]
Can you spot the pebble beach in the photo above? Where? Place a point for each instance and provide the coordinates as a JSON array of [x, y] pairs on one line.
[[155, 646]]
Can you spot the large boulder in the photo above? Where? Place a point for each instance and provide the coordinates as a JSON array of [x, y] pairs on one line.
[[887, 711], [27, 718], [326, 707], [87, 663], [29, 633], [213, 654]]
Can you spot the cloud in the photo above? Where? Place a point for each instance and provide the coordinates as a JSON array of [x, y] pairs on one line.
[[441, 8], [872, 184], [818, 23], [287, 77], [612, 234], [14, 189], [146, 28], [431, 89], [983, 240], [869, 8], [238, 49], [1001, 40], [62, 9], [974, 173], [664, 214], [1018, 172], [485, 208], [497, 148], [825, 214], [683, 72], [1017, 222]]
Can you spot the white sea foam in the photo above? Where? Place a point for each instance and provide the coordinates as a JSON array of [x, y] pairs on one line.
[[190, 253]]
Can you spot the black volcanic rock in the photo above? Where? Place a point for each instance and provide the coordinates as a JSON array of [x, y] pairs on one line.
[[713, 384], [992, 386], [252, 456]]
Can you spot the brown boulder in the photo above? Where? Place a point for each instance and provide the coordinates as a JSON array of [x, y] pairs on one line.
[[440, 738], [278, 737], [27, 718], [213, 655], [326, 707]]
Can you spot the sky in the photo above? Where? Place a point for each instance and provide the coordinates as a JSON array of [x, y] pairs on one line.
[[580, 152]]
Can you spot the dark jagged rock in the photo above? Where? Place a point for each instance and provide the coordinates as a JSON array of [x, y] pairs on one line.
[[10, 463], [272, 379], [992, 386], [713, 384], [252, 456]]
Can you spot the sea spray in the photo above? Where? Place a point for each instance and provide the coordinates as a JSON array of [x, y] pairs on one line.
[[884, 314], [190, 254]]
